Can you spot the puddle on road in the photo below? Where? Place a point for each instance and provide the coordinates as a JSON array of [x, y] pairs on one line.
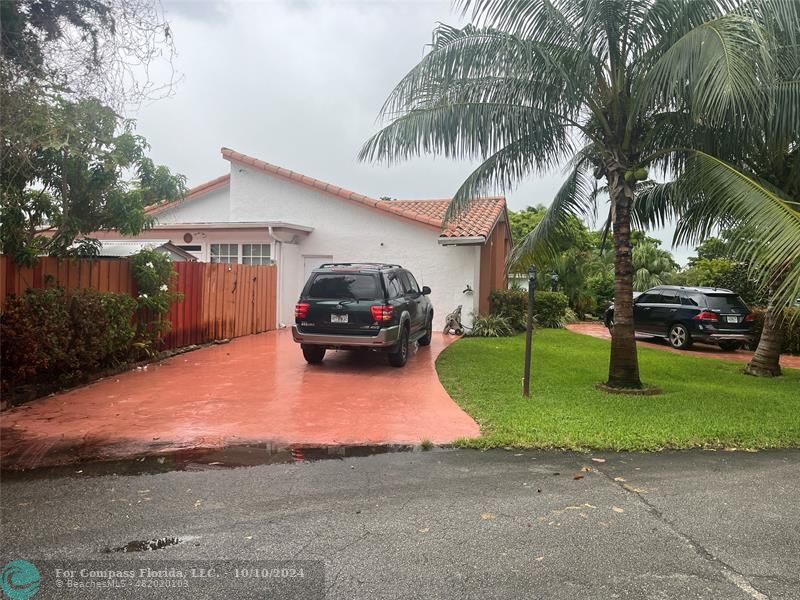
[[146, 545], [206, 459]]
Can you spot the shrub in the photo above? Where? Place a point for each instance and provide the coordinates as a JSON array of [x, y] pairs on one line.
[[102, 329], [549, 308], [19, 350], [512, 305], [50, 310], [52, 336], [791, 329], [491, 326]]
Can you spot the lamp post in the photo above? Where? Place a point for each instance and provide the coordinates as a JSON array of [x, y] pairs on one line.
[[526, 380]]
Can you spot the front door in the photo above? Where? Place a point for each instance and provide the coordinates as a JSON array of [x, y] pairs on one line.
[[312, 262]]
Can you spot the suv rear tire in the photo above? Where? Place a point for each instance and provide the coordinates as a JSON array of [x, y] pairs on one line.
[[398, 357], [313, 354], [679, 336], [425, 340]]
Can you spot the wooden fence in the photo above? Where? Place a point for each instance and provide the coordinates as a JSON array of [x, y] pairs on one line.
[[219, 300], [222, 301], [103, 274]]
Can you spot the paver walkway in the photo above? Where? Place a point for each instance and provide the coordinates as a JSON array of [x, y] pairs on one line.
[[256, 389], [599, 330]]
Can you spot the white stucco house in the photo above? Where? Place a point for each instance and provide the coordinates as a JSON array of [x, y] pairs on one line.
[[260, 213]]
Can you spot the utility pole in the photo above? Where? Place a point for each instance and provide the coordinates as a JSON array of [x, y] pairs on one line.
[[526, 380]]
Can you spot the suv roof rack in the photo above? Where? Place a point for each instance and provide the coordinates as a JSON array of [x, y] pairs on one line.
[[360, 264]]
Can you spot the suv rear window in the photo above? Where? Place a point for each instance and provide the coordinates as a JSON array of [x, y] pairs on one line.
[[361, 286], [724, 302]]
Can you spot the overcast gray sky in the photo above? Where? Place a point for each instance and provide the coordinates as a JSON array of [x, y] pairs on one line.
[[299, 84]]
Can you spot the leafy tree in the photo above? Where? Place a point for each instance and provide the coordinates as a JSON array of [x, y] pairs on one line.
[[598, 84], [524, 221], [103, 49], [66, 155], [73, 182]]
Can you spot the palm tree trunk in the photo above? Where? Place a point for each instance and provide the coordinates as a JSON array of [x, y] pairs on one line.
[[623, 369], [766, 360]]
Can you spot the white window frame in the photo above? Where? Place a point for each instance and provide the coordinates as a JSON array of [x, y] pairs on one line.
[[240, 251], [270, 259], [228, 255]]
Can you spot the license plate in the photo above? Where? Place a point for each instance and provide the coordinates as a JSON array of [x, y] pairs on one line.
[[732, 319], [338, 318]]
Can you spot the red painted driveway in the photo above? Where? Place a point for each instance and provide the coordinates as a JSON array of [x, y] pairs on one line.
[[599, 330], [255, 389]]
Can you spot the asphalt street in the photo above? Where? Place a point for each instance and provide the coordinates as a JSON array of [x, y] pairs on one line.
[[440, 524]]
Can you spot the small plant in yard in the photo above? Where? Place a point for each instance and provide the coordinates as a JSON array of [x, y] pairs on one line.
[[491, 326], [155, 282], [426, 445]]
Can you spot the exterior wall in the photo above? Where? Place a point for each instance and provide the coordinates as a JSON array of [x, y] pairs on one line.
[[493, 269], [350, 232], [211, 207], [202, 237]]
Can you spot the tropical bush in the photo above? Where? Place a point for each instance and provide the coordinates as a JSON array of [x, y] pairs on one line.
[[52, 336], [791, 329], [491, 326], [549, 308], [511, 305], [155, 277]]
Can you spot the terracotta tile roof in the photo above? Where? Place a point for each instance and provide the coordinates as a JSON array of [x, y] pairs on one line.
[[479, 220], [208, 186]]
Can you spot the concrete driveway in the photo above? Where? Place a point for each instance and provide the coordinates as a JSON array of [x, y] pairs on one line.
[[256, 389]]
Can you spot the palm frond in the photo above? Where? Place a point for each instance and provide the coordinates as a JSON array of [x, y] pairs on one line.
[[574, 198], [716, 192], [720, 66]]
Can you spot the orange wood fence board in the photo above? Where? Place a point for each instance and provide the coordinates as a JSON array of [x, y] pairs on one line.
[[219, 300]]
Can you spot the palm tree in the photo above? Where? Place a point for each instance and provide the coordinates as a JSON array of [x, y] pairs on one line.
[[652, 266], [533, 84], [755, 189]]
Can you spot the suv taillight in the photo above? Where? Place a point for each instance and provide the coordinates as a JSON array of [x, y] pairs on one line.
[[749, 317], [301, 310], [706, 315], [381, 312]]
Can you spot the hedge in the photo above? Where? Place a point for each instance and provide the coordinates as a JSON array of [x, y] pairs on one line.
[[791, 329], [549, 308], [52, 336]]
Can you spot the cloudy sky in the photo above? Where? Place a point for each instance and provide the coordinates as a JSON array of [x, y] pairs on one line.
[[299, 84]]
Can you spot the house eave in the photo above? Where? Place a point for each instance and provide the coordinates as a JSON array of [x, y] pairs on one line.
[[475, 240], [236, 225]]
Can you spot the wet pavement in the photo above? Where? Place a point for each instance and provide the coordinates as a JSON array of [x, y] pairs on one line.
[[446, 524], [599, 330], [256, 390]]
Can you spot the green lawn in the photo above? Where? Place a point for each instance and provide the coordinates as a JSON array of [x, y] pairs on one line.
[[705, 402]]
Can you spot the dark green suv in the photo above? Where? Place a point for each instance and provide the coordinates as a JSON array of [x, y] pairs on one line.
[[362, 305]]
